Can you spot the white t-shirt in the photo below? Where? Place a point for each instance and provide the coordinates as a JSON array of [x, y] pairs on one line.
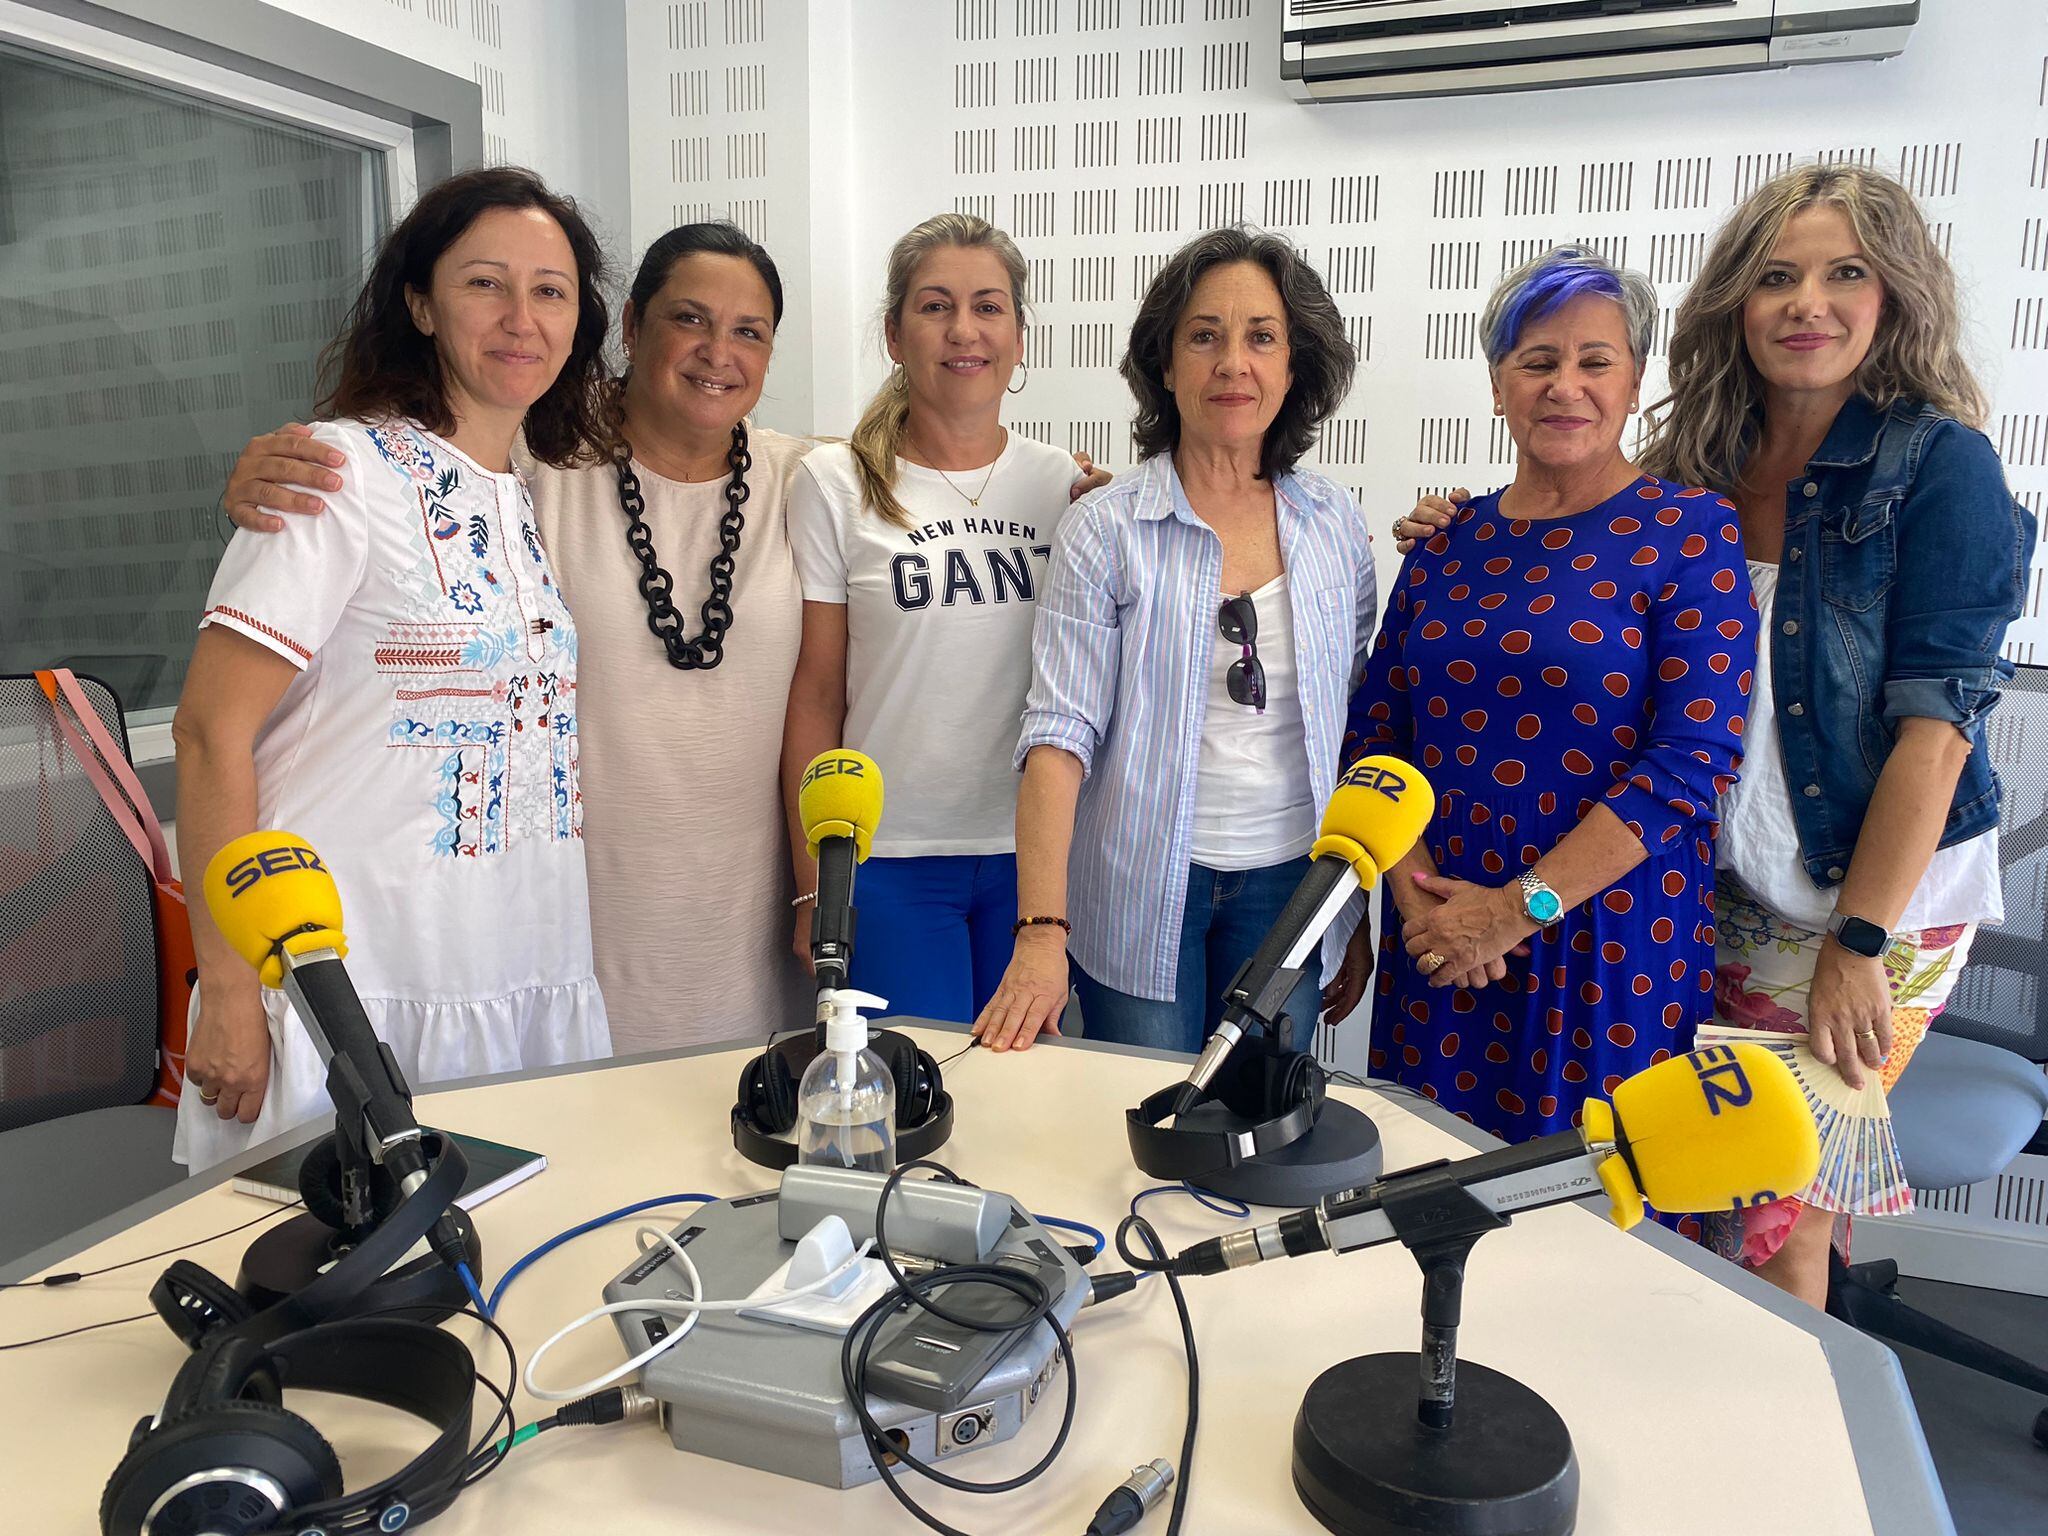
[[1253, 803], [1759, 840], [938, 630]]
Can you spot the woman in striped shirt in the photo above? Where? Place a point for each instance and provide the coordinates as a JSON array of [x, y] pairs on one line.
[[1202, 623]]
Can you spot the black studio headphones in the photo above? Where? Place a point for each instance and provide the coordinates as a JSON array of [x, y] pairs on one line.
[[765, 1110], [226, 1458], [201, 1308], [1262, 1100]]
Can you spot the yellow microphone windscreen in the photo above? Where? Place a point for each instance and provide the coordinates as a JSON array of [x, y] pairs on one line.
[[266, 886], [1717, 1129], [840, 796], [1376, 812]]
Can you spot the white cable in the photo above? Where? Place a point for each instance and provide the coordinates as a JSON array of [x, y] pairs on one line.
[[689, 1309]]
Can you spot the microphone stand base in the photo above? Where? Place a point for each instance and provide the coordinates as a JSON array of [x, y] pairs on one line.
[[1365, 1465], [1340, 1151]]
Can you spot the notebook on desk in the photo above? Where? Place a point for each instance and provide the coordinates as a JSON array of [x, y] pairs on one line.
[[493, 1169]]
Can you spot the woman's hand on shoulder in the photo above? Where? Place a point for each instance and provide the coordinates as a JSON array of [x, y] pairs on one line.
[[1430, 514], [266, 478], [1093, 477], [1033, 993]]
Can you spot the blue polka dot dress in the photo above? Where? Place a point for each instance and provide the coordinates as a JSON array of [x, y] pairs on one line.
[[1534, 669]]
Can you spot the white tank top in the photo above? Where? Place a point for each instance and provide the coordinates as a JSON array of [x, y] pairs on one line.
[[1759, 841], [1253, 803]]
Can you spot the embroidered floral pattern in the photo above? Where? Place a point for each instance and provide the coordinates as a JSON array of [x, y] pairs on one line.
[[483, 668]]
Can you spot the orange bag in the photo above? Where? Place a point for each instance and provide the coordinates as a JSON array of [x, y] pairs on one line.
[[107, 766]]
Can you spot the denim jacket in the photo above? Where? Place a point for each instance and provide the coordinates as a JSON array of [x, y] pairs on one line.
[[1905, 559]]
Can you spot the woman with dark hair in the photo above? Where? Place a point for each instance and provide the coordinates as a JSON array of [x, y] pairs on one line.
[[1200, 628], [396, 681], [673, 524]]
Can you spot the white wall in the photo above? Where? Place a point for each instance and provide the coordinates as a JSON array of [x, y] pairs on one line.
[[550, 72], [1050, 117]]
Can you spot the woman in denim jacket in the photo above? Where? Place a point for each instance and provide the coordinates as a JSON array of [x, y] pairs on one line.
[[1817, 380]]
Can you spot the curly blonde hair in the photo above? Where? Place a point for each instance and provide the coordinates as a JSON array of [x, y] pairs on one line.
[[1704, 430]]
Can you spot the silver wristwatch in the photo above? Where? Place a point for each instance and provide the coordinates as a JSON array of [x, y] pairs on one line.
[[1540, 904]]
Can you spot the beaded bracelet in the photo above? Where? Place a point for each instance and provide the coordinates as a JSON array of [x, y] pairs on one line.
[[1041, 922], [807, 896]]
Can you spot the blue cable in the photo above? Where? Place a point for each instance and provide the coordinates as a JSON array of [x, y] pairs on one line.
[[476, 1295], [504, 1284], [1081, 1227], [1208, 1199]]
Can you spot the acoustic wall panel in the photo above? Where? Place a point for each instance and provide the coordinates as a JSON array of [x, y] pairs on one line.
[[1104, 133]]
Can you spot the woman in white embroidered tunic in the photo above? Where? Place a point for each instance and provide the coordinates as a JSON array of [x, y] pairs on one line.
[[396, 681]]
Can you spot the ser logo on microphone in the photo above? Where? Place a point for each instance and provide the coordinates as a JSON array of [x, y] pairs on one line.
[[1722, 1079], [271, 861], [1367, 774], [834, 767]]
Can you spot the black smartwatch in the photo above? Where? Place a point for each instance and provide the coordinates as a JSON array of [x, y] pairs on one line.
[[1859, 936]]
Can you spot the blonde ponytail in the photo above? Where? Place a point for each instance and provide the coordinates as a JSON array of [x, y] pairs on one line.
[[875, 444]]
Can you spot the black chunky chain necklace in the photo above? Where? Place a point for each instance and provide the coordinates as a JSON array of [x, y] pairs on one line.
[[658, 587]]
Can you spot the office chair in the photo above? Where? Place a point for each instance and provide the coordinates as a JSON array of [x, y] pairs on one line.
[[1974, 1096], [78, 989]]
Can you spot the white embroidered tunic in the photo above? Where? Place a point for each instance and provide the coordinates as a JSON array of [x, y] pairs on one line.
[[428, 750]]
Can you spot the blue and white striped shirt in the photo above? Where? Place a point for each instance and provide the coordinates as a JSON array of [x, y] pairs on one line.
[[1120, 659]]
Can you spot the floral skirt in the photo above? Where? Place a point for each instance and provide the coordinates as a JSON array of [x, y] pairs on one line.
[[1763, 969]]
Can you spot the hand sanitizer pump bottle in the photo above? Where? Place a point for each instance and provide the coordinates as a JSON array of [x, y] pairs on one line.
[[846, 1104]]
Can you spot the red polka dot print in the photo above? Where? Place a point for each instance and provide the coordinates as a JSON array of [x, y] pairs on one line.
[[1617, 634]]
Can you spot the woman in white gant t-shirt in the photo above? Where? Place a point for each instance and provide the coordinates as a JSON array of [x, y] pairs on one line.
[[922, 546]]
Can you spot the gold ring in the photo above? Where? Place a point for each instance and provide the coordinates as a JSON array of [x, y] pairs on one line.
[[1866, 1034], [209, 1098], [1434, 961]]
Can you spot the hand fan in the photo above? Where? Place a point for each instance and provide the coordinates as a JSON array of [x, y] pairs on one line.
[[1860, 1172]]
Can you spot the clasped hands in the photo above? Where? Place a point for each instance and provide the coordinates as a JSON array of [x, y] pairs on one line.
[[1470, 930]]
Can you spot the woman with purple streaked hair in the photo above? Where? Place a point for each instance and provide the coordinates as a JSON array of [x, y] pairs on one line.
[[1568, 661]]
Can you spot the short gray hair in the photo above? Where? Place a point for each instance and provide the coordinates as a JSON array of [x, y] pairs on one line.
[[1559, 275]]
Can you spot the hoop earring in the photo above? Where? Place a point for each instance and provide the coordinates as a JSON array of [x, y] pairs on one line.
[[1018, 387]]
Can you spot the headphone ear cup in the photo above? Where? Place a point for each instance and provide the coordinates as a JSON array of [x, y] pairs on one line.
[[1240, 1086], [196, 1302], [223, 1370], [910, 1069], [320, 1183], [1301, 1081], [927, 1083], [260, 1436], [774, 1092]]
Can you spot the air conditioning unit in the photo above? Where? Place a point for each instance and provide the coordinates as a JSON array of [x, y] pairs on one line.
[[1351, 50]]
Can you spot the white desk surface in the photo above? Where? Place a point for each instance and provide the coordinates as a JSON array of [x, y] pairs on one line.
[[1692, 1407]]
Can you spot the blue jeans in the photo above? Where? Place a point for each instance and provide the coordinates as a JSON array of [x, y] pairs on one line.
[[933, 935], [1228, 914]]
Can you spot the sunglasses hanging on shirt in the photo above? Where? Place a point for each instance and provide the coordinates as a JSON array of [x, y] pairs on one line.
[[1246, 680]]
